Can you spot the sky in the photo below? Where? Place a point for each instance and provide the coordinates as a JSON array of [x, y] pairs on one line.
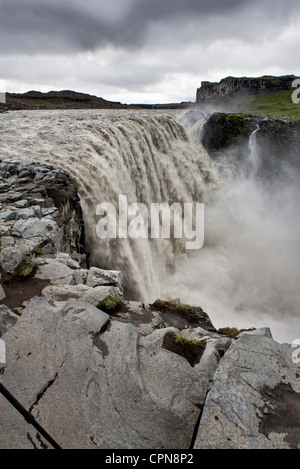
[[144, 51]]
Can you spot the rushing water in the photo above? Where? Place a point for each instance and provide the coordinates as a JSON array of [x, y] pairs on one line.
[[246, 274]]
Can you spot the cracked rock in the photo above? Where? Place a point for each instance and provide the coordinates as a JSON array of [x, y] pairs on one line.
[[96, 385], [245, 381]]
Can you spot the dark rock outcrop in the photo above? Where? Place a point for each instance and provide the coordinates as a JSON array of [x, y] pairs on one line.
[[280, 140], [277, 140], [223, 130], [36, 197]]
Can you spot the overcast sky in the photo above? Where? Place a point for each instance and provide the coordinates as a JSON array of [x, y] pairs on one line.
[[137, 51]]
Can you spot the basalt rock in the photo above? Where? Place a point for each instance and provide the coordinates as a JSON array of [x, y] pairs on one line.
[[41, 205], [223, 130]]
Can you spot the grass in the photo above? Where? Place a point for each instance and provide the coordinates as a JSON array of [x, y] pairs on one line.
[[277, 104], [28, 265], [190, 313], [39, 251], [110, 304], [231, 332], [180, 339]]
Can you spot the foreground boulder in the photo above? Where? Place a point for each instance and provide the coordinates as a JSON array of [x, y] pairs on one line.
[[97, 384], [254, 402]]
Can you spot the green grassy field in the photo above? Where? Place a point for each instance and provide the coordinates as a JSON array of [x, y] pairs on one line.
[[278, 104]]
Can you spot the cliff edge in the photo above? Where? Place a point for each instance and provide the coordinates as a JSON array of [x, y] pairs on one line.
[[233, 87]]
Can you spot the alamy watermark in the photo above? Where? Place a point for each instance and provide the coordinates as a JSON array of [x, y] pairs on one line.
[[296, 93], [160, 220]]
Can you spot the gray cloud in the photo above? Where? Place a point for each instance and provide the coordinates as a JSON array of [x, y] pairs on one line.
[[31, 26], [131, 48]]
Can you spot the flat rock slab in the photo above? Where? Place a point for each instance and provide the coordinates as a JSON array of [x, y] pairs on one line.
[[45, 228], [54, 271], [94, 384], [254, 402], [87, 294]]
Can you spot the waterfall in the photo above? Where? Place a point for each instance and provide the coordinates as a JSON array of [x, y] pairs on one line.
[[146, 156], [254, 159], [246, 275]]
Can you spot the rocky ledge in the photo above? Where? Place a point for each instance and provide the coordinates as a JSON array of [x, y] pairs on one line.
[[99, 371]]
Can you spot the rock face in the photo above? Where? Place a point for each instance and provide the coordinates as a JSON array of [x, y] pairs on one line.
[[277, 140], [254, 402], [99, 371], [232, 86], [40, 206], [223, 130], [97, 384]]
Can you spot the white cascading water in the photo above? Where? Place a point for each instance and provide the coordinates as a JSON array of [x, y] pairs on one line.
[[144, 155], [247, 274], [254, 159]]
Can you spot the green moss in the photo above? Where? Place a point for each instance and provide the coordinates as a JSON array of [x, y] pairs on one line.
[[111, 303], [192, 314], [28, 265], [231, 332], [225, 129], [39, 251], [180, 339]]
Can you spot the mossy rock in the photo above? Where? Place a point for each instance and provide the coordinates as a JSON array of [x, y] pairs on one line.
[[193, 315], [191, 350], [231, 332], [222, 130], [110, 305], [28, 266]]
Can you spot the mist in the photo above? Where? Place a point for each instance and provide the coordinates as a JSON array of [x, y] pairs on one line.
[[247, 274]]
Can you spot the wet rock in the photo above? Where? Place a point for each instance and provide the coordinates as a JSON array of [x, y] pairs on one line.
[[223, 130], [226, 135]]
